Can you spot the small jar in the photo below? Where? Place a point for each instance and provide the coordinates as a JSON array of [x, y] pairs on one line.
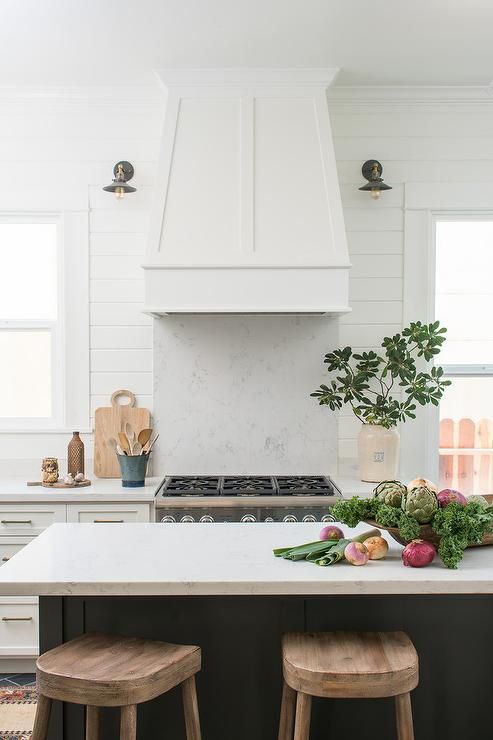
[[49, 470]]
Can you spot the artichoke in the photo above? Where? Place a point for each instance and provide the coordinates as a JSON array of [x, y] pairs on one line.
[[421, 503], [390, 492]]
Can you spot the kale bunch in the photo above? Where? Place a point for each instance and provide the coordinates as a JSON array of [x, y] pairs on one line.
[[459, 526]]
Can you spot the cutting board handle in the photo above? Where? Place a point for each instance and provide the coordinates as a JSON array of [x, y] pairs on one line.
[[122, 394]]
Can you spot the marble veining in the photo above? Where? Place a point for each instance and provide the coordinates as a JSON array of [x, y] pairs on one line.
[[232, 395], [217, 560]]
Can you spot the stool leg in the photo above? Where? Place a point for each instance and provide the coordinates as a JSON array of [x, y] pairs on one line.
[[288, 707], [404, 717], [191, 709], [42, 719], [128, 722], [303, 716], [92, 723]]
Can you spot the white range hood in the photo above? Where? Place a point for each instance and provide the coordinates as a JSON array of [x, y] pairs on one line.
[[247, 215]]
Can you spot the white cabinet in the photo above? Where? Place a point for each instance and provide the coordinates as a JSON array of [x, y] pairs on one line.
[[29, 519], [10, 545], [19, 524], [19, 628], [108, 513]]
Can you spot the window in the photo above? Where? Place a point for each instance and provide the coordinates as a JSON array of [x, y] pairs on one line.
[[44, 344], [464, 297]]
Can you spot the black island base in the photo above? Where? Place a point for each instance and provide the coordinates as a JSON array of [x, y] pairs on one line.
[[239, 687]]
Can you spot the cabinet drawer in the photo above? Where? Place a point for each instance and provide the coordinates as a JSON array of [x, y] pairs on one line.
[[10, 545], [19, 633], [29, 519], [107, 513]]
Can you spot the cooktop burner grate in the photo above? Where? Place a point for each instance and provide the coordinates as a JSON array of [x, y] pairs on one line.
[[192, 486], [304, 486], [248, 486], [295, 485]]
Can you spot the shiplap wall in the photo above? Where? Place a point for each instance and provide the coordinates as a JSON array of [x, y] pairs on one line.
[[65, 150], [416, 142], [57, 154]]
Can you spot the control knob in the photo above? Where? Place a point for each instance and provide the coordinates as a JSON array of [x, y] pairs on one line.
[[248, 518], [329, 518], [168, 519], [309, 518], [290, 518], [187, 519], [206, 519], [269, 519]]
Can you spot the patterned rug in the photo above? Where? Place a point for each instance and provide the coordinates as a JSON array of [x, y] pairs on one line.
[[17, 707]]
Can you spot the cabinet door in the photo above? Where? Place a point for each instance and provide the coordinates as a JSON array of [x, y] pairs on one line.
[[108, 513], [29, 519], [10, 545], [19, 630]]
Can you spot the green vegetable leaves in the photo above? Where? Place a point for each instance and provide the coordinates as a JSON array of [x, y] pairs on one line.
[[458, 526], [365, 380]]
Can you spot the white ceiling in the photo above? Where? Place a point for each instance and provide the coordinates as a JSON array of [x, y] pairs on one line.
[[374, 42]]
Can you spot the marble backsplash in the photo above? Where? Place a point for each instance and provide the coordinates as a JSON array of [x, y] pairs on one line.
[[231, 395]]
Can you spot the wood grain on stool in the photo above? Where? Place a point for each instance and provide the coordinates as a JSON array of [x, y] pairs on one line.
[[101, 670], [288, 708], [346, 665], [92, 723], [42, 719]]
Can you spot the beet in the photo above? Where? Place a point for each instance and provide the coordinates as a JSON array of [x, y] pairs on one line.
[[418, 553], [450, 495]]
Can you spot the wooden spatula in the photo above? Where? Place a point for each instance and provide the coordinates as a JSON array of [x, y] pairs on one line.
[[124, 443], [144, 436]]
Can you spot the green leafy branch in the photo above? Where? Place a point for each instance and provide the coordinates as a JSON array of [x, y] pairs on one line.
[[366, 380]]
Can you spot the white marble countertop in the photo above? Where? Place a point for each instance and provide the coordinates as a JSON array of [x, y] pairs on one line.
[[15, 490], [216, 559]]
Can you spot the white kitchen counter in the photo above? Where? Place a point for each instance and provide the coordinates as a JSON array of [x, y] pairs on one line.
[[15, 490], [216, 559]]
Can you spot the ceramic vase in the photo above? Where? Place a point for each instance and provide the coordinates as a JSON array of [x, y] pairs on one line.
[[378, 453]]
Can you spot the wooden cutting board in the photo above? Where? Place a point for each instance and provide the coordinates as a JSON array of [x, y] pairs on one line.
[[108, 421]]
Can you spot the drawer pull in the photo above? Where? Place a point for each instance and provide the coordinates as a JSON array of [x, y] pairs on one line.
[[17, 619], [108, 521], [17, 521], [5, 558]]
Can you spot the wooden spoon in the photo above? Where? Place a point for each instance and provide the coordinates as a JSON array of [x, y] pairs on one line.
[[144, 436], [130, 434], [124, 443]]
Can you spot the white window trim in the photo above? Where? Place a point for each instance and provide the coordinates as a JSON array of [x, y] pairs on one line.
[[70, 349], [425, 204]]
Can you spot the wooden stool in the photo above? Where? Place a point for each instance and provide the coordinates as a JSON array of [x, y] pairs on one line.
[[101, 670], [346, 665]]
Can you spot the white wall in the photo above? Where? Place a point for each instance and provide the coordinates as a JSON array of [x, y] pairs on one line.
[[63, 151], [416, 141], [57, 154]]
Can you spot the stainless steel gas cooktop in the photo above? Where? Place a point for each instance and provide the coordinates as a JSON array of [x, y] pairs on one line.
[[246, 498]]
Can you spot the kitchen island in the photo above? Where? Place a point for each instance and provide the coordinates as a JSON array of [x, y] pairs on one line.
[[219, 586]]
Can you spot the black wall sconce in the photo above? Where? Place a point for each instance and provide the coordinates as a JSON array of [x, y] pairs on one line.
[[123, 172], [372, 171]]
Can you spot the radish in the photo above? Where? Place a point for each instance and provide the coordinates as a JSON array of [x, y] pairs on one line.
[[330, 532], [418, 553]]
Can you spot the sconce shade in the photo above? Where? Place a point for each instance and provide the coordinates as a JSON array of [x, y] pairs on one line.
[[123, 172], [372, 171]]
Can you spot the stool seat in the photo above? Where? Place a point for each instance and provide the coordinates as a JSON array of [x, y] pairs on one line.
[[111, 670], [350, 665]]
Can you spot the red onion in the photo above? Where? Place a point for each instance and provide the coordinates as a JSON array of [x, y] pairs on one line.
[[418, 553], [330, 532], [449, 496]]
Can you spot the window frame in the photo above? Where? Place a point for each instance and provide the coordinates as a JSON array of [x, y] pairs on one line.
[[426, 204], [70, 332]]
